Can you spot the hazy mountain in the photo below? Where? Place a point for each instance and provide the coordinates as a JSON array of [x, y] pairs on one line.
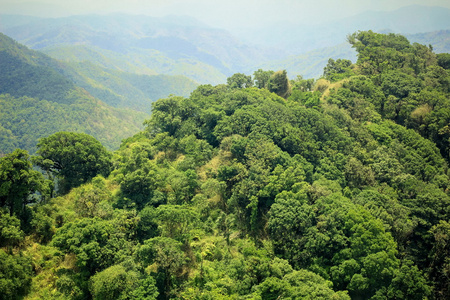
[[166, 43], [139, 61], [177, 45], [300, 38], [311, 64], [37, 99], [440, 40]]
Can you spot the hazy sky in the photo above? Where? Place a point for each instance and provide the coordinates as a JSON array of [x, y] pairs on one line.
[[223, 13]]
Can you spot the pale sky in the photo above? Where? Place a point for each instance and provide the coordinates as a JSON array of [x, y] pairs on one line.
[[224, 13]]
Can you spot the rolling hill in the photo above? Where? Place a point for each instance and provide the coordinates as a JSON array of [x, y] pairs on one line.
[[36, 100]]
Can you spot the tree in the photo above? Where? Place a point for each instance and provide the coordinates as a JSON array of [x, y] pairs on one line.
[[440, 259], [18, 182], [443, 60], [336, 70], [239, 81], [116, 282], [97, 243], [262, 78], [10, 233], [165, 256], [74, 158], [15, 275], [279, 84]]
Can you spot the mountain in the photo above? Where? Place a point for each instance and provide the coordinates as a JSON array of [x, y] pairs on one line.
[[440, 40], [300, 38], [36, 100], [311, 64], [124, 89], [29, 73], [177, 45], [171, 45]]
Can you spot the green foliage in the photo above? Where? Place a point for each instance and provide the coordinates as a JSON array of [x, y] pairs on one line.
[[300, 284], [98, 244], [239, 81], [279, 84], [443, 60], [440, 258], [337, 70], [262, 78], [19, 182], [15, 275], [167, 259], [74, 158], [378, 53], [10, 232], [116, 282], [237, 193]]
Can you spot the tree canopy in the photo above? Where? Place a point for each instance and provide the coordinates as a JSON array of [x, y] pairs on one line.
[[74, 158]]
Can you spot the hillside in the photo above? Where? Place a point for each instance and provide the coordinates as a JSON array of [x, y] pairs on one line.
[[338, 190], [126, 90], [29, 73], [36, 100]]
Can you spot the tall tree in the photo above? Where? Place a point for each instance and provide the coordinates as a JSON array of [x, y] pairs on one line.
[[262, 78], [279, 84], [239, 81], [18, 181], [73, 157]]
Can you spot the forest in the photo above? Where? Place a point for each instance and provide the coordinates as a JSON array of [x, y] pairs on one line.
[[261, 188]]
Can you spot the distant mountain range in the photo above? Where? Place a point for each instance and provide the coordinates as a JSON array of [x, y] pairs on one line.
[[171, 45], [300, 38], [179, 45]]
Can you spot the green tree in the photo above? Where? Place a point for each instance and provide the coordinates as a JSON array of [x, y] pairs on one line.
[[443, 60], [336, 70], [10, 232], [15, 275], [262, 78], [239, 81], [279, 84], [97, 243], [116, 282], [74, 158], [19, 182], [167, 259], [440, 259]]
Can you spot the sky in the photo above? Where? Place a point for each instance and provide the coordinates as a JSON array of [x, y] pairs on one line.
[[228, 14]]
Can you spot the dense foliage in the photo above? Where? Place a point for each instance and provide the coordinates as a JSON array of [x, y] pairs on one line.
[[340, 191]]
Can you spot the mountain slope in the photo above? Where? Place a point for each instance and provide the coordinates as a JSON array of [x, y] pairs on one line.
[[36, 100], [30, 73]]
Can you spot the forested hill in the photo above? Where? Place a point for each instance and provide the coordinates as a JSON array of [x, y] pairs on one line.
[[29, 73], [261, 188], [40, 95]]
